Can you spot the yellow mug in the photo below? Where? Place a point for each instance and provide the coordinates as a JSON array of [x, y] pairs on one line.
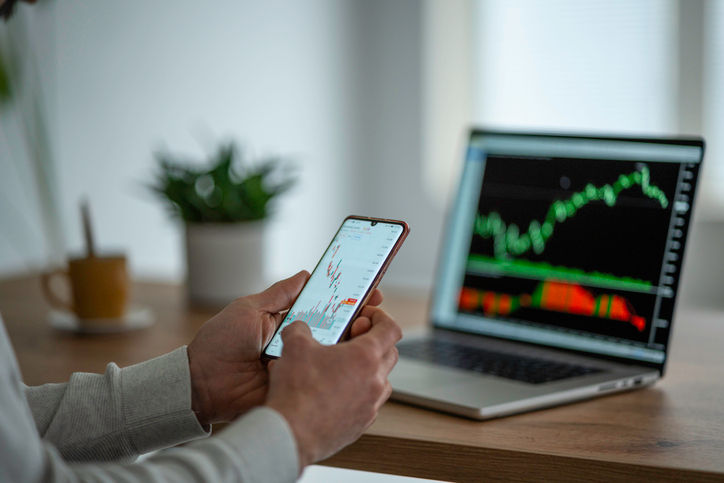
[[99, 287]]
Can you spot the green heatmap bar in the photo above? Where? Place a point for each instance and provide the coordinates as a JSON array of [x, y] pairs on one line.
[[543, 270]]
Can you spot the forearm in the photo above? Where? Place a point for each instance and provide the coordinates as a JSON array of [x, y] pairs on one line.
[[118, 414], [257, 448]]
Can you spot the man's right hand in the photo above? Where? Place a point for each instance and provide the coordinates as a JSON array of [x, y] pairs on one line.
[[330, 394]]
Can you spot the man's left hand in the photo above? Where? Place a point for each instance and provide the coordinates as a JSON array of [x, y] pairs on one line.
[[228, 376]]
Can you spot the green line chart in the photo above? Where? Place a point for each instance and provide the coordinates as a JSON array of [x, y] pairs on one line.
[[509, 241]]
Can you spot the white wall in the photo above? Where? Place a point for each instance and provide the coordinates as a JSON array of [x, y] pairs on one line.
[[390, 141], [183, 75], [333, 84]]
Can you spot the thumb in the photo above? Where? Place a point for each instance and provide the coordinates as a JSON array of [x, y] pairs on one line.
[[297, 329], [360, 326], [281, 295], [296, 337]]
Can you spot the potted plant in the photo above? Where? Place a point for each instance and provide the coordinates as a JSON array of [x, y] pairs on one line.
[[224, 207]]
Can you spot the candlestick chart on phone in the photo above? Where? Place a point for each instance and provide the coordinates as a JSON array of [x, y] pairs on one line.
[[322, 314], [574, 245], [343, 277]]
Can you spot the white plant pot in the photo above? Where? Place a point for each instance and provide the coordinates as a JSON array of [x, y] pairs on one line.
[[224, 261]]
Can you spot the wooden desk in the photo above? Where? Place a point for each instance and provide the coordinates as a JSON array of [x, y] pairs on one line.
[[673, 431]]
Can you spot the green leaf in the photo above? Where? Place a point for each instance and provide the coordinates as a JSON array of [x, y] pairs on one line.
[[226, 190], [5, 88]]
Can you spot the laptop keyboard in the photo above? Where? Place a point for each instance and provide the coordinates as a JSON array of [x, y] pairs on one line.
[[520, 368]]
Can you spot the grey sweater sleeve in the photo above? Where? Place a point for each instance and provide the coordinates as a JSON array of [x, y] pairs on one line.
[[259, 447], [120, 414]]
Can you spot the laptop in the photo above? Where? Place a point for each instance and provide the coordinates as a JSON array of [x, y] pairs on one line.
[[558, 275]]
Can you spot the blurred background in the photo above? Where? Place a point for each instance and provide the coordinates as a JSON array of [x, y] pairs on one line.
[[370, 99]]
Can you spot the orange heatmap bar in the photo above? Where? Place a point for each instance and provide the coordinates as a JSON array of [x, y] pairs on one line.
[[556, 297]]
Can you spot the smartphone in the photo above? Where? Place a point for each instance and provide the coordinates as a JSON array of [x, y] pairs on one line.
[[343, 280]]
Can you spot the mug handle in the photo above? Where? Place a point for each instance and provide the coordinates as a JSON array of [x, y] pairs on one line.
[[52, 298]]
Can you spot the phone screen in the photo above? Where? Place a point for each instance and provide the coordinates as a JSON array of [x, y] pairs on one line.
[[343, 277]]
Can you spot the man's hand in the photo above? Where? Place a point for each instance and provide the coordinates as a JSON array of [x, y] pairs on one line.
[[227, 375], [330, 394]]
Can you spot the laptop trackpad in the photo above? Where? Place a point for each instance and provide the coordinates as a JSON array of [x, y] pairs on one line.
[[470, 389], [416, 376]]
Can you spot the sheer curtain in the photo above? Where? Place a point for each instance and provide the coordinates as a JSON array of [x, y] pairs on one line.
[[598, 65], [712, 105], [650, 67]]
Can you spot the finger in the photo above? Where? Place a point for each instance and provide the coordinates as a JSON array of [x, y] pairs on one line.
[[376, 298], [386, 393], [282, 294], [296, 331], [385, 333], [368, 310], [390, 359], [270, 365], [360, 326]]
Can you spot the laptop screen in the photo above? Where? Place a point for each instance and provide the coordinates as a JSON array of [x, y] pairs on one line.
[[570, 242]]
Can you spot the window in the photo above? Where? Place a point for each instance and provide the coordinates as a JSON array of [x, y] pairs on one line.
[[579, 66], [649, 67], [712, 105]]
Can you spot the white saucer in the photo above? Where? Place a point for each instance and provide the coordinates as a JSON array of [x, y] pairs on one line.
[[135, 318]]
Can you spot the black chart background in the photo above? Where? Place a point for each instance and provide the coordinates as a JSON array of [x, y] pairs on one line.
[[627, 239]]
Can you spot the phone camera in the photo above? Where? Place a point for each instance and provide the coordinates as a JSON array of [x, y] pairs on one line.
[[373, 223]]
